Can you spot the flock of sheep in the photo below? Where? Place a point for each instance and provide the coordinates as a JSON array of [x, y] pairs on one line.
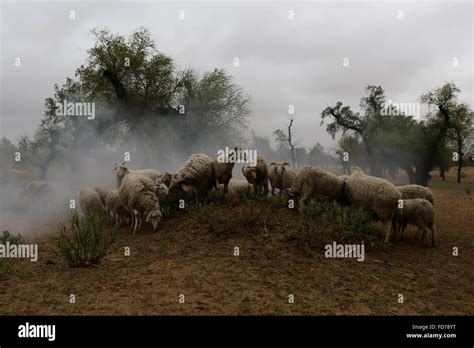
[[138, 194]]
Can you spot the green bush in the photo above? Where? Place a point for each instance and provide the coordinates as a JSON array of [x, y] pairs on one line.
[[6, 265], [8, 237], [322, 223], [86, 241]]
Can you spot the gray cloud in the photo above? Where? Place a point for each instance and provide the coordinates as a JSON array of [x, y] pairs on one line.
[[282, 62]]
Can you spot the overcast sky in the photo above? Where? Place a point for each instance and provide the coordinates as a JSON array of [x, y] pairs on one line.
[[282, 61]]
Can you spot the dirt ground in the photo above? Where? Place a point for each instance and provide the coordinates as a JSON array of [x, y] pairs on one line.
[[185, 257]]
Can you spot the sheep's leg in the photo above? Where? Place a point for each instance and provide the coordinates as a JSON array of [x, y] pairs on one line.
[[226, 188], [433, 235], [388, 234], [140, 221], [134, 222], [423, 235]]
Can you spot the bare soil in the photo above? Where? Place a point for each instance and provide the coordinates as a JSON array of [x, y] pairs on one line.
[[186, 257]]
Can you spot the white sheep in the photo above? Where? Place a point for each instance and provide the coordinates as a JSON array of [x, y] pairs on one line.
[[90, 202], [235, 186], [137, 192], [281, 176], [419, 212], [122, 170], [375, 195], [416, 191], [197, 173], [314, 183], [102, 191], [257, 176], [115, 207]]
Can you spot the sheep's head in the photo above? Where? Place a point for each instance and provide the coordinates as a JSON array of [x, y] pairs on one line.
[[250, 173], [176, 183], [279, 168], [166, 178], [162, 190], [121, 170], [154, 217]]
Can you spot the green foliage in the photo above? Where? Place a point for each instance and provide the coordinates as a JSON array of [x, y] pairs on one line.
[[8, 237], [86, 241], [6, 265], [388, 138], [322, 223]]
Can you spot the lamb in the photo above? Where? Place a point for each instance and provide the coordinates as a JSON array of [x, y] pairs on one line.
[[137, 192], [198, 172], [115, 207], [281, 177], [38, 191], [90, 202], [257, 176], [121, 170], [375, 195], [419, 212], [102, 191], [222, 169], [315, 183], [416, 191]]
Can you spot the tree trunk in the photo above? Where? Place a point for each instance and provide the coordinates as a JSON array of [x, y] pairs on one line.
[[442, 170], [460, 163]]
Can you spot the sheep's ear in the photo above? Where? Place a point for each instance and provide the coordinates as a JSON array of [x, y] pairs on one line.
[[273, 163], [286, 164], [243, 170], [123, 163]]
